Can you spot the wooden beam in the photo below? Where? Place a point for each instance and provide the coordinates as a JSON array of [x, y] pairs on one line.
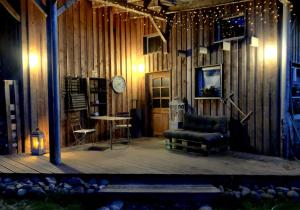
[[130, 8], [65, 6], [10, 9], [187, 5], [41, 6], [157, 29]]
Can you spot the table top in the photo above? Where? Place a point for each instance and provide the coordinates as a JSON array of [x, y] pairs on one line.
[[109, 118]]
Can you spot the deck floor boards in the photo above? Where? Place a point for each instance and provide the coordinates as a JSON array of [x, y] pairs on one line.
[[148, 156]]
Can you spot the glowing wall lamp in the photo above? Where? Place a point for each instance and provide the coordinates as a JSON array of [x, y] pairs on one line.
[[33, 60], [37, 143], [141, 68], [270, 52]]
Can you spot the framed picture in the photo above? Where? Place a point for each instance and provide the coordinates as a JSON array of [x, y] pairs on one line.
[[208, 82]]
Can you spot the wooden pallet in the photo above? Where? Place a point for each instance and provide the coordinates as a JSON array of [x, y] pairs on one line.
[[190, 146]]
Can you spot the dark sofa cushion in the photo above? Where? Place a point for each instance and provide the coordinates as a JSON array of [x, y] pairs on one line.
[[206, 138], [205, 124]]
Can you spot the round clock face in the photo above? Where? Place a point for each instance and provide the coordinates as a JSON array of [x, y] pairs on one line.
[[118, 84]]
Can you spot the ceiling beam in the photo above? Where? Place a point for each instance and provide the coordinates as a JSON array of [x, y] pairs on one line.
[[41, 6], [65, 6], [162, 36], [10, 9], [187, 5], [130, 8]]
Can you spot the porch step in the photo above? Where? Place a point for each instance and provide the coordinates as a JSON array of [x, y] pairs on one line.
[[161, 189]]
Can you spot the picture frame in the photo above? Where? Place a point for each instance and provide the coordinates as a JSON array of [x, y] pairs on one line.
[[209, 82]]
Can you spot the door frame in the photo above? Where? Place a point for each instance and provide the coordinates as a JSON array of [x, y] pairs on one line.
[[148, 107]]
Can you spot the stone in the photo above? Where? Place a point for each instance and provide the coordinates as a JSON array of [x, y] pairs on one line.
[[78, 190], [93, 181], [113, 207], [292, 194], [37, 190], [76, 181], [260, 191], [297, 189], [7, 180], [271, 191], [51, 187], [35, 180], [94, 186], [118, 203], [50, 180], [19, 186], [103, 182], [255, 187], [221, 188], [267, 196], [103, 208], [90, 191], [205, 207], [10, 189], [255, 195], [21, 192], [101, 187], [237, 194], [244, 191], [282, 189], [41, 184], [67, 186]]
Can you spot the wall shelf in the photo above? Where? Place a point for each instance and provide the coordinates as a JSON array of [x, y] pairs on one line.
[[96, 92]]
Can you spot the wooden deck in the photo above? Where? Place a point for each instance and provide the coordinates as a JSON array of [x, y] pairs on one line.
[[148, 156]]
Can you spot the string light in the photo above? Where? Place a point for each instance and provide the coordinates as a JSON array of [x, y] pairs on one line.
[[265, 12]]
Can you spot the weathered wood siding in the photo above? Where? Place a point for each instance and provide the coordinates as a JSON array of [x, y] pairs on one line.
[[249, 74], [33, 29], [102, 42]]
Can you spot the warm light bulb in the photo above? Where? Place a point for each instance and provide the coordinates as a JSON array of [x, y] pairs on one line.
[[35, 142], [33, 60], [270, 52], [141, 68]]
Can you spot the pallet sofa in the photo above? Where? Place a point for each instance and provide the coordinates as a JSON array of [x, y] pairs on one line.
[[199, 135]]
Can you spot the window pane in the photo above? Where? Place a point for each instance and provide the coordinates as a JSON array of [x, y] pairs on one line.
[[156, 82], [156, 92], [165, 92], [156, 103], [165, 82], [165, 103]]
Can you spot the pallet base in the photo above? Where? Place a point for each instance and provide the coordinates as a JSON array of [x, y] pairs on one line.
[[194, 147]]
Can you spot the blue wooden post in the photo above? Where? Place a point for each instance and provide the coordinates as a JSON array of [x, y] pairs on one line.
[[53, 83]]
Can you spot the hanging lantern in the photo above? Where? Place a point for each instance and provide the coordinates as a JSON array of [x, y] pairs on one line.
[[177, 110], [37, 143]]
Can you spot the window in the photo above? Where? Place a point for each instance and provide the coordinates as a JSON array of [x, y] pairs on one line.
[[160, 92], [229, 28], [208, 82], [152, 44]]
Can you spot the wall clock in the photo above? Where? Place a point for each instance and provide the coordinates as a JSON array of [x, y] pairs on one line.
[[118, 84]]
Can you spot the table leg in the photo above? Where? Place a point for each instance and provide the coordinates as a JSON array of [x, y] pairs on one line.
[[110, 134]]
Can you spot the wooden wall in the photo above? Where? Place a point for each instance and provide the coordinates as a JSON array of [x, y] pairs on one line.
[[103, 42], [35, 94], [248, 72]]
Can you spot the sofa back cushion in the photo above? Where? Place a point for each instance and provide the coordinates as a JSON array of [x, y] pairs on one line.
[[205, 124]]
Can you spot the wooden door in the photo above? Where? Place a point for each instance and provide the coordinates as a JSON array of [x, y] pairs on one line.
[[159, 86]]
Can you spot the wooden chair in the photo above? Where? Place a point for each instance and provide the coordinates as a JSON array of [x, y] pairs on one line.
[[124, 124], [80, 134]]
